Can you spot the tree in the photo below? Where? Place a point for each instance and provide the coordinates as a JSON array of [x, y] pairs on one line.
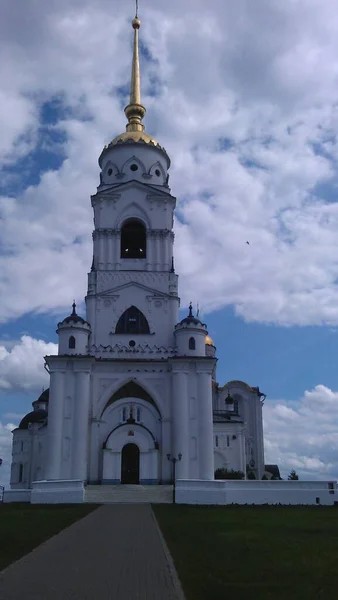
[[293, 476], [225, 474]]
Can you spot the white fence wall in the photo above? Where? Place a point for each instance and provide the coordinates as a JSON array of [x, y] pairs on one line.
[[17, 496], [57, 492], [256, 492]]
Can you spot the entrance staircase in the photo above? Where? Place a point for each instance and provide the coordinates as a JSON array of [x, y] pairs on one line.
[[129, 494]]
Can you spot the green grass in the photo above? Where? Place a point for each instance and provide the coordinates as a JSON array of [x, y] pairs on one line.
[[25, 526], [235, 553]]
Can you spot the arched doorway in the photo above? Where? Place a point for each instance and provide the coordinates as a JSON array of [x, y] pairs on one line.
[[130, 464]]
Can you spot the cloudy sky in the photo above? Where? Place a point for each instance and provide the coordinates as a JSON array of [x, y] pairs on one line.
[[244, 96]]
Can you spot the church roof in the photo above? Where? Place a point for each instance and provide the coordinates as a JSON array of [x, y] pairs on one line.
[[44, 397], [36, 416], [73, 318], [274, 470], [190, 319]]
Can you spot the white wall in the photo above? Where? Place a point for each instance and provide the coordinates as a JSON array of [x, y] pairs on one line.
[[57, 492], [256, 492], [17, 495]]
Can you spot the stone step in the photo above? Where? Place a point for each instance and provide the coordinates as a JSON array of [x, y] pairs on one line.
[[107, 494]]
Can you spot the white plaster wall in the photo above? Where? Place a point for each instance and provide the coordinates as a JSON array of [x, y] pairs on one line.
[[21, 437], [17, 495], [57, 492], [232, 456], [119, 158], [183, 336], [256, 492], [150, 295], [81, 339]]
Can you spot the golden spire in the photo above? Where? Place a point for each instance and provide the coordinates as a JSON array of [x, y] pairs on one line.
[[135, 111]]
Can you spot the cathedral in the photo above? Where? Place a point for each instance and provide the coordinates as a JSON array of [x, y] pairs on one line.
[[133, 390]]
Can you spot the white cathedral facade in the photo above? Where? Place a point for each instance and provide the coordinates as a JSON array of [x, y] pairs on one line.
[[132, 386]]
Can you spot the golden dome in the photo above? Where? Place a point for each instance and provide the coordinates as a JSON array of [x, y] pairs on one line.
[[134, 136], [209, 341]]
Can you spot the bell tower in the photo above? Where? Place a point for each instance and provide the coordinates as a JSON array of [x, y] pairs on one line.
[[132, 300]]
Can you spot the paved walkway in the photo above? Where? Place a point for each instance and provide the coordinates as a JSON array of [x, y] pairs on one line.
[[115, 553]]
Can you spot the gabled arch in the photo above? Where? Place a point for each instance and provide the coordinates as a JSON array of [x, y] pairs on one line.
[[146, 384], [131, 161], [110, 171], [157, 172], [133, 210], [131, 389], [132, 321]]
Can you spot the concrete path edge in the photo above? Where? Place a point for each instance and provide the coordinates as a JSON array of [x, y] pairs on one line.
[[173, 572]]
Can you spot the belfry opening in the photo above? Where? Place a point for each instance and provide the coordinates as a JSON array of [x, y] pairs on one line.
[[133, 239]]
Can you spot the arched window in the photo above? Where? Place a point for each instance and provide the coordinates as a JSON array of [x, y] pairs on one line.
[[71, 343], [192, 344], [133, 239], [20, 472], [132, 321]]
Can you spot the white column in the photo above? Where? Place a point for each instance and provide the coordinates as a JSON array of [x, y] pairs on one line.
[[55, 425], [180, 436], [205, 427], [81, 426], [117, 249], [157, 251], [101, 250], [149, 251], [108, 465], [166, 252], [110, 251], [94, 451], [241, 442]]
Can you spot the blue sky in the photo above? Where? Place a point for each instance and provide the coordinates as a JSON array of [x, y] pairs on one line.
[[244, 98]]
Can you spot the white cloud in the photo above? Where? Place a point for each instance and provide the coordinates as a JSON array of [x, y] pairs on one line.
[[303, 435], [22, 366], [262, 76]]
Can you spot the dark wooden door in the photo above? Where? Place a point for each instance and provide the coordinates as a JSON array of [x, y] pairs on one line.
[[130, 464]]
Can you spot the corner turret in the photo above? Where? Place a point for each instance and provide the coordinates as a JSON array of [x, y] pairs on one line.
[[73, 334]]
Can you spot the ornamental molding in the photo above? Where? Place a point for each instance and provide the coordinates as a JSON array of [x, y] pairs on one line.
[[112, 280], [122, 349]]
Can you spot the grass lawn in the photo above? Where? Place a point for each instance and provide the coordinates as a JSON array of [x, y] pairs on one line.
[[247, 552], [25, 526]]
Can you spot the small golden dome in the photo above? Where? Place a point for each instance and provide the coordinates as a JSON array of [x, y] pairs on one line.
[[209, 341], [134, 136]]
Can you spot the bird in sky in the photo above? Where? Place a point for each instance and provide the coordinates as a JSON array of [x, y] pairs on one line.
[[247, 243]]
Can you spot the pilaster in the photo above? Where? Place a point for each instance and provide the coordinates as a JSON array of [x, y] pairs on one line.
[[205, 425], [55, 424], [180, 408], [81, 426]]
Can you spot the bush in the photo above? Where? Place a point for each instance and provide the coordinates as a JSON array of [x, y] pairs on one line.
[[225, 474]]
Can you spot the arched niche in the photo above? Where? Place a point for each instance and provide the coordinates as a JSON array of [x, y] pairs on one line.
[[133, 166], [131, 389], [157, 396], [133, 322], [71, 342], [133, 239]]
